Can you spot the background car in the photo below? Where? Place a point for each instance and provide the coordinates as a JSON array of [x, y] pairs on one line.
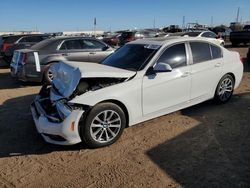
[[129, 36], [142, 80], [24, 64], [15, 42], [112, 40], [238, 37], [2, 38], [206, 34]]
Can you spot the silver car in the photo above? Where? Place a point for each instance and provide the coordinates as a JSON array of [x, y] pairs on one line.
[[34, 64]]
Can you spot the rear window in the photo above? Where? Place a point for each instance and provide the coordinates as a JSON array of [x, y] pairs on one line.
[[12, 39], [192, 34], [45, 45], [209, 35]]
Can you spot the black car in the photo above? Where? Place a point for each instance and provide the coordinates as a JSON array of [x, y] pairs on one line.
[[16, 42]]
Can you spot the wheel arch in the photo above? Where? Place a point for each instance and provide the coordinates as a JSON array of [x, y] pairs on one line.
[[231, 74], [121, 105]]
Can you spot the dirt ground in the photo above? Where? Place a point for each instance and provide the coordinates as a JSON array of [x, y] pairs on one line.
[[206, 145]]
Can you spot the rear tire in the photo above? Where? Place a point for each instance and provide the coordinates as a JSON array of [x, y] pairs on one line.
[[103, 125], [224, 90]]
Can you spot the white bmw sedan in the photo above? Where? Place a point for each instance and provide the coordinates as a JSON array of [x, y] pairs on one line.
[[142, 80]]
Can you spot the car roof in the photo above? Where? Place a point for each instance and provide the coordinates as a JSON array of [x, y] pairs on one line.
[[56, 38], [24, 35], [169, 40]]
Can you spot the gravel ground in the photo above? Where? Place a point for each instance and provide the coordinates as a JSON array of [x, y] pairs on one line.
[[203, 146]]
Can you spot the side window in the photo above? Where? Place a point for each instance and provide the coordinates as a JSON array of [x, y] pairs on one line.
[[208, 35], [201, 52], [216, 52], [92, 44], [63, 47], [175, 56], [71, 45]]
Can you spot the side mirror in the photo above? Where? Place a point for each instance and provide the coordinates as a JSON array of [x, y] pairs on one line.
[[162, 67]]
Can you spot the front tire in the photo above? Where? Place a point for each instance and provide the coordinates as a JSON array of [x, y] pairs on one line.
[[104, 125], [224, 90]]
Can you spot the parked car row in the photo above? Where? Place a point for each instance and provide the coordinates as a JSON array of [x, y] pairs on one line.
[[128, 36]]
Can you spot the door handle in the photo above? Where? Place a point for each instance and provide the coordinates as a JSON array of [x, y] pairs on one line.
[[65, 54], [185, 74], [217, 64], [92, 53]]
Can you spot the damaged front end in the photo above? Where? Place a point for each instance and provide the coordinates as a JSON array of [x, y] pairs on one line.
[[55, 117], [56, 121]]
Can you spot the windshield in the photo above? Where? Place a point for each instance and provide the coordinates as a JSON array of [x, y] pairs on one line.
[[132, 56]]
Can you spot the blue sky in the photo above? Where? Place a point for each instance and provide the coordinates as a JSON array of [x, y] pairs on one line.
[[67, 15]]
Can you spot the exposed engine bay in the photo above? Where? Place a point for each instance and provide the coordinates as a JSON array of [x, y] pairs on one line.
[[92, 84]]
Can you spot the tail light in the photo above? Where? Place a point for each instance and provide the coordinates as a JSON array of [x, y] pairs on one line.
[[241, 59], [24, 58], [6, 45]]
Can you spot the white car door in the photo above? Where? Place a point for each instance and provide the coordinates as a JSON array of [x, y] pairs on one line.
[[161, 91], [206, 69]]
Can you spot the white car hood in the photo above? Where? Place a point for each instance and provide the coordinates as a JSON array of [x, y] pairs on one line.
[[95, 70], [68, 74]]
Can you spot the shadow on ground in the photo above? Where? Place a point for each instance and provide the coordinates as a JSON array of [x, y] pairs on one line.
[[215, 153], [18, 135]]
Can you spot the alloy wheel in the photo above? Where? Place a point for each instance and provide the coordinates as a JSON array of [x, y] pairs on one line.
[[105, 126]]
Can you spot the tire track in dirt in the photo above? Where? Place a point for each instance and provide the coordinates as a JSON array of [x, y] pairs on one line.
[[4, 183]]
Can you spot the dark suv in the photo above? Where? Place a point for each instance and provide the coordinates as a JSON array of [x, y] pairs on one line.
[[15, 42]]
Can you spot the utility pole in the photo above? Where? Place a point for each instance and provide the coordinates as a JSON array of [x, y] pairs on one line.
[[238, 13], [154, 23], [212, 21], [95, 27], [183, 22]]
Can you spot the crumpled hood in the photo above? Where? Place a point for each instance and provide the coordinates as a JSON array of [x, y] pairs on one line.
[[68, 74]]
